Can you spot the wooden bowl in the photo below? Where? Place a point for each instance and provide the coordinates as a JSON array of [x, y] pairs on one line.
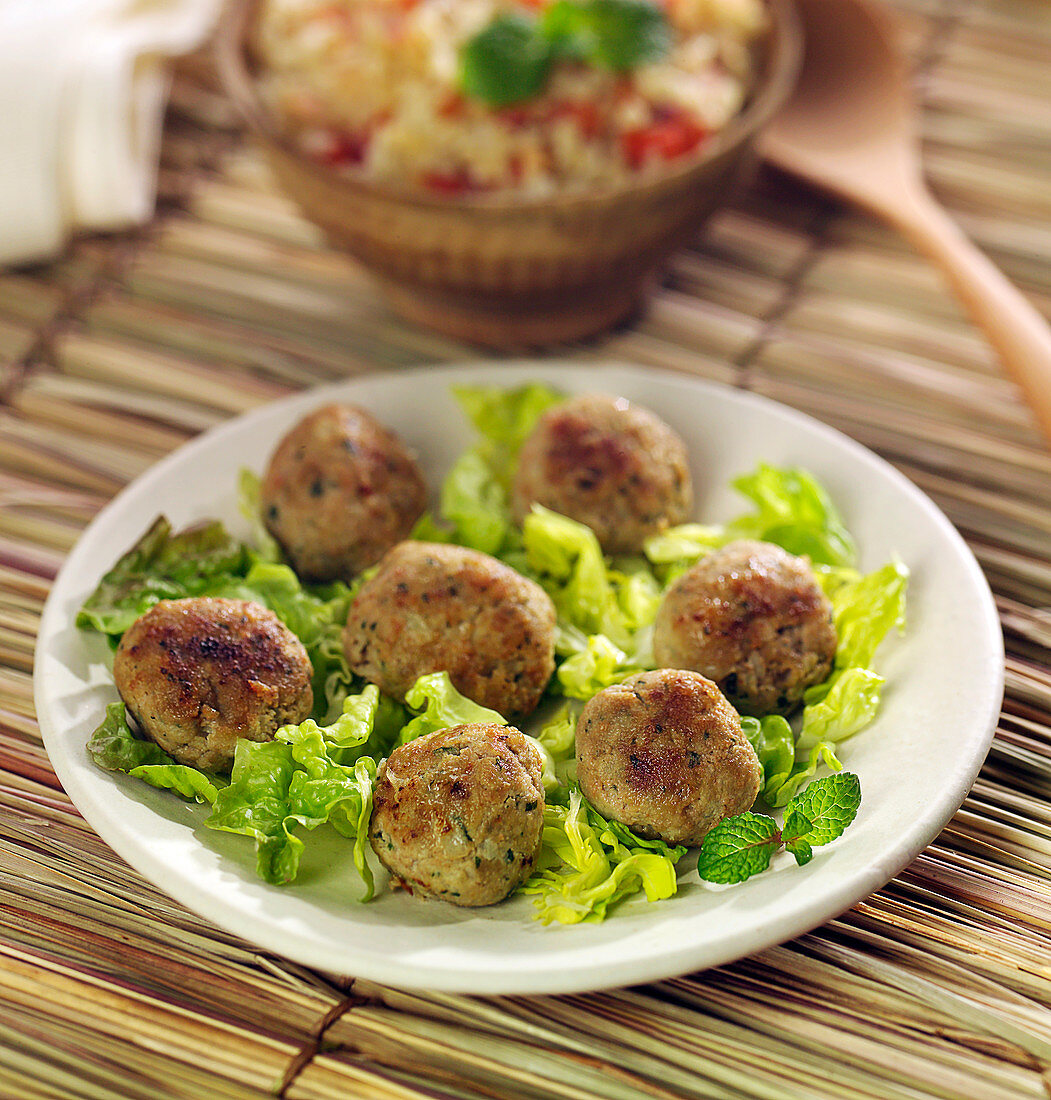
[[507, 272]]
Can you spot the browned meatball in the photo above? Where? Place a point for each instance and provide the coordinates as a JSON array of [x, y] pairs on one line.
[[664, 754], [199, 673], [607, 463], [339, 492], [434, 608], [752, 618], [458, 814]]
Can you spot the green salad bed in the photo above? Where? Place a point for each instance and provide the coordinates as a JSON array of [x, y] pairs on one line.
[[321, 772]]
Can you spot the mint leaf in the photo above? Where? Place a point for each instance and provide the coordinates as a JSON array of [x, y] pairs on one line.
[[506, 62], [610, 34], [510, 59], [801, 850], [779, 791], [742, 846], [738, 847], [822, 810]]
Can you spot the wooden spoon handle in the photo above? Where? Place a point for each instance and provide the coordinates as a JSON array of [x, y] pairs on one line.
[[1014, 327]]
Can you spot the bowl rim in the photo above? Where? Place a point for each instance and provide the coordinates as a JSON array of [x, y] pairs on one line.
[[785, 35]]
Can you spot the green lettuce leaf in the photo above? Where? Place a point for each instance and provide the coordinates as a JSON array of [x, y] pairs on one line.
[[599, 664], [475, 494], [638, 591], [255, 804], [685, 543], [475, 503], [325, 791], [317, 617], [849, 701], [276, 786], [116, 748], [206, 561], [557, 741], [566, 558], [441, 707], [588, 865], [792, 510], [558, 734], [367, 726], [774, 744], [795, 512], [866, 610], [185, 781], [504, 418], [199, 561], [250, 505]]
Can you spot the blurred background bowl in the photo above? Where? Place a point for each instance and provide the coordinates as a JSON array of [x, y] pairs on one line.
[[507, 272]]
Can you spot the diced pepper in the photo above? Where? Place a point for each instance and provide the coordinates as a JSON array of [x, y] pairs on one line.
[[667, 138]]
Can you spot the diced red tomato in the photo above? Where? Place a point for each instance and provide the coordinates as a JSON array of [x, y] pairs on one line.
[[584, 112], [456, 182], [668, 138], [517, 117], [452, 105], [345, 149]]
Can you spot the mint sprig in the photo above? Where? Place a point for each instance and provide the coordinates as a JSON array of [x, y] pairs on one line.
[[509, 60], [743, 845], [610, 34], [506, 62]]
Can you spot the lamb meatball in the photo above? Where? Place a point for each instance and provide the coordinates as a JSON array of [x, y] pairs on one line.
[[433, 608], [752, 618], [664, 753], [199, 673], [339, 492], [458, 814], [607, 463]]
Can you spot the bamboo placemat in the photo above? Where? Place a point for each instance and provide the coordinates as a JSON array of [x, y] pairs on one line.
[[938, 986]]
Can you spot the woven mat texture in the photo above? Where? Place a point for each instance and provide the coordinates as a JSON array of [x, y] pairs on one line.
[[938, 986]]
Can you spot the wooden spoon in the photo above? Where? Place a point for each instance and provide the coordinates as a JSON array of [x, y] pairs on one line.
[[850, 128]]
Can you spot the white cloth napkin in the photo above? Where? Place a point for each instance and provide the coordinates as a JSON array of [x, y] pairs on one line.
[[83, 85]]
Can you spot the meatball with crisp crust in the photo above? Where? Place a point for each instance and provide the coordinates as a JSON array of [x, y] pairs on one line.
[[199, 673], [608, 463], [458, 814], [664, 754], [751, 617], [432, 607], [339, 492]]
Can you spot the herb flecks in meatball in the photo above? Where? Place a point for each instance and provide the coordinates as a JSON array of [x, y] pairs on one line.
[[458, 814], [436, 608], [664, 754], [199, 673], [340, 490], [609, 464], [751, 617]]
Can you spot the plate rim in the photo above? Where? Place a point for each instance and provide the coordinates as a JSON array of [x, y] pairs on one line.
[[828, 904]]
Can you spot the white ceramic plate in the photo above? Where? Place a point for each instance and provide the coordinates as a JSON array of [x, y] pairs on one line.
[[916, 762]]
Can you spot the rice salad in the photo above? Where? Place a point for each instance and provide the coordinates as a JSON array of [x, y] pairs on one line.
[[377, 88]]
